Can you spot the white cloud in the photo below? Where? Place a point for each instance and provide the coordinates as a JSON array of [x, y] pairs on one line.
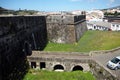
[[91, 0], [76, 0], [110, 2], [82, 0]]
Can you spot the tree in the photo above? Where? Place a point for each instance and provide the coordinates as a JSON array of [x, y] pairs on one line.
[[116, 13]]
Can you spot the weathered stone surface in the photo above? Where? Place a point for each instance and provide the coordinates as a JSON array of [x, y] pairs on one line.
[[65, 28], [18, 36], [66, 59]]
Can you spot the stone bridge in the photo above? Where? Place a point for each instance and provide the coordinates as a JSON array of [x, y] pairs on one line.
[[95, 62], [59, 61]]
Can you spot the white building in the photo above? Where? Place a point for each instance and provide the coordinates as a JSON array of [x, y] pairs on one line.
[[78, 12], [115, 26], [111, 26], [94, 15], [99, 25]]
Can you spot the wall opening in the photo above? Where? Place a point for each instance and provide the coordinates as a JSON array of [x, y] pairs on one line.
[[27, 48], [58, 68], [42, 65], [33, 65], [76, 68]]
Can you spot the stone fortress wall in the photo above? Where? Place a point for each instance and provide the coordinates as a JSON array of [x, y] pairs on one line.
[[19, 35], [65, 28]]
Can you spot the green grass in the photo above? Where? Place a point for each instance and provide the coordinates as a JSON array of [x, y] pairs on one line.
[[51, 75], [91, 41]]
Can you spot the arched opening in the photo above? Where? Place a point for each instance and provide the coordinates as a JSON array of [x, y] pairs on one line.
[[76, 68], [58, 68]]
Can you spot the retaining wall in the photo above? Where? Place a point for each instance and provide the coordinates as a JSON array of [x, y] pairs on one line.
[[101, 72]]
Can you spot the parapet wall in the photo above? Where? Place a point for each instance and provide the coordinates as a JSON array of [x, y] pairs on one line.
[[100, 72], [65, 28]]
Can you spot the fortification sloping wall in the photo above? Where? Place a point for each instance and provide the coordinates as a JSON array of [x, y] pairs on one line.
[[18, 36], [80, 29]]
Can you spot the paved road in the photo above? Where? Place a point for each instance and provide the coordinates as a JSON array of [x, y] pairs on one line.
[[104, 58]]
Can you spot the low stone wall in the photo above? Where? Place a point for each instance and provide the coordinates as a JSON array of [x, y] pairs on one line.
[[100, 72], [58, 53], [99, 68], [103, 51]]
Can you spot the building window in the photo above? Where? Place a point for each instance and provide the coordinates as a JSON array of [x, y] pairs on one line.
[[42, 65], [113, 25], [33, 65], [117, 25]]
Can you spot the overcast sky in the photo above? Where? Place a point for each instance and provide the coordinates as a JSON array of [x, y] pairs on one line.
[[58, 5]]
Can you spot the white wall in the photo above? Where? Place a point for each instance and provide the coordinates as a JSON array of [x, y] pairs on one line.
[[115, 27]]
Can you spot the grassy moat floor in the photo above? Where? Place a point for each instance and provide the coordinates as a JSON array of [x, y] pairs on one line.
[[52, 75], [90, 41]]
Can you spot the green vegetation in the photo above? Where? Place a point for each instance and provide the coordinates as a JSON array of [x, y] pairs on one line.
[[51, 75], [17, 12], [91, 41], [112, 14], [24, 12]]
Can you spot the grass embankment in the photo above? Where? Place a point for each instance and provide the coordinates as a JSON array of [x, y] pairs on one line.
[[91, 41], [51, 75]]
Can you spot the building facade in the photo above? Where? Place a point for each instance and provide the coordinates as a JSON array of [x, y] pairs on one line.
[[103, 26]]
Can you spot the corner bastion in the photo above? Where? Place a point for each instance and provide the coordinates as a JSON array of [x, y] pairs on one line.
[[65, 28]]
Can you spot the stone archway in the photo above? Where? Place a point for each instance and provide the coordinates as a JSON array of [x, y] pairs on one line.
[[58, 68], [76, 68]]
